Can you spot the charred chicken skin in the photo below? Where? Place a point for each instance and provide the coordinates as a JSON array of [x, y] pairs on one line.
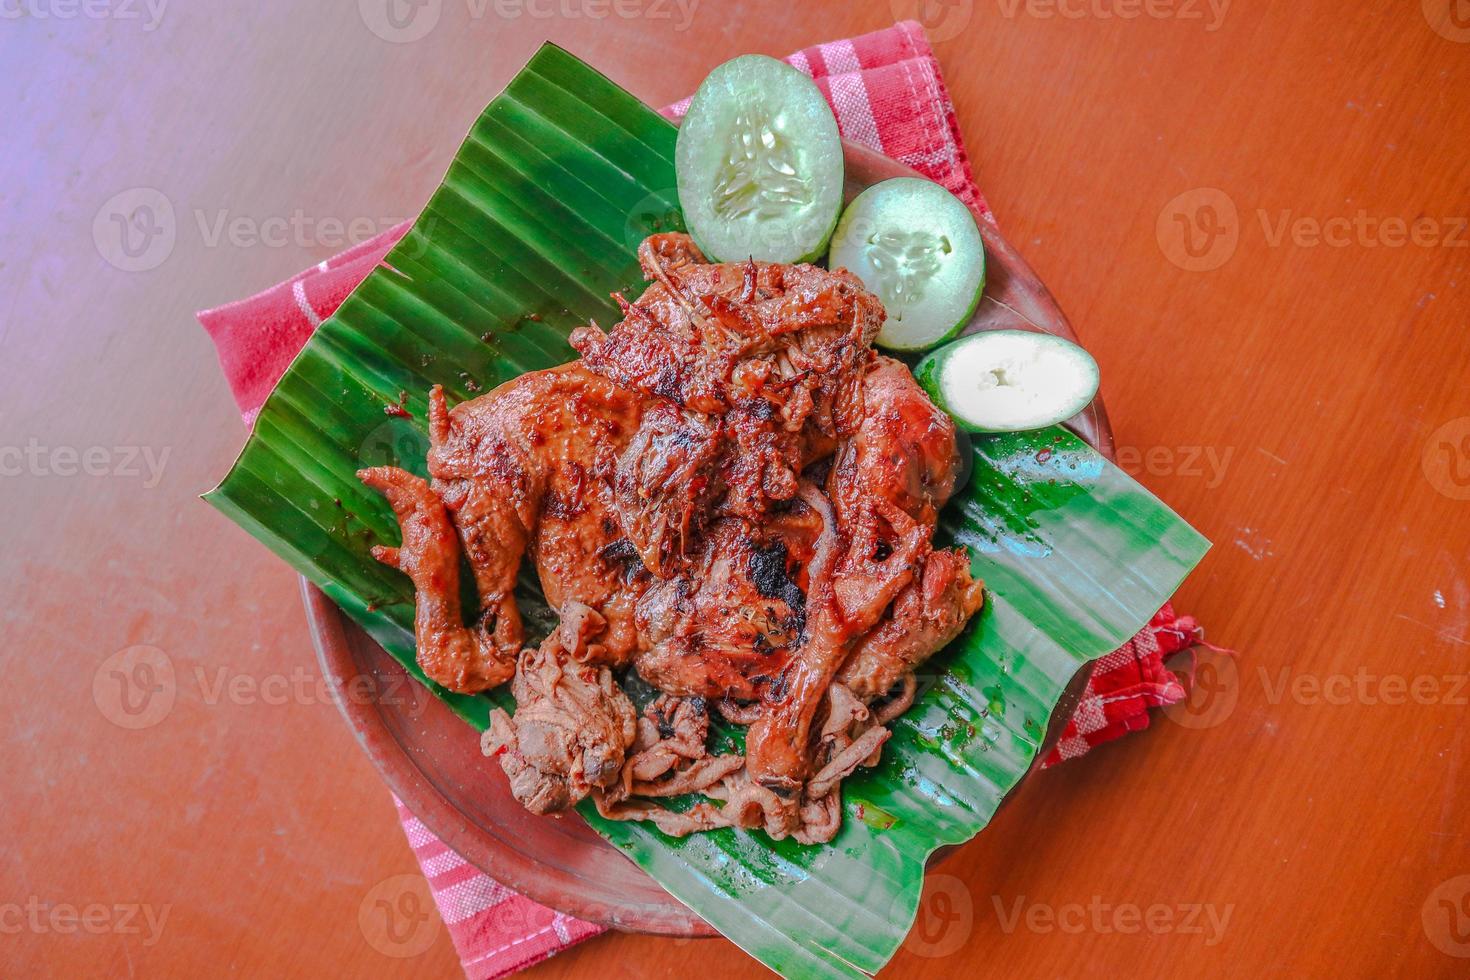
[[729, 492]]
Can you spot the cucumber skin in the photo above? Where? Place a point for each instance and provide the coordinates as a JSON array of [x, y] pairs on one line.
[[926, 373], [820, 252], [928, 370]]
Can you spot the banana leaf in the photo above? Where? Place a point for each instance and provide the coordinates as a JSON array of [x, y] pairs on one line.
[[534, 226]]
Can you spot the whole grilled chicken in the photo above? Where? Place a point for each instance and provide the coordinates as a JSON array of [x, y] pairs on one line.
[[731, 493]]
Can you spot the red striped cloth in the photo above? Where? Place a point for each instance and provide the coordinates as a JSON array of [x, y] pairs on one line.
[[887, 93]]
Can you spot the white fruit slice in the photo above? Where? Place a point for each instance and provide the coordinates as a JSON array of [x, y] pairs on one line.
[[1009, 380], [759, 164], [916, 245]]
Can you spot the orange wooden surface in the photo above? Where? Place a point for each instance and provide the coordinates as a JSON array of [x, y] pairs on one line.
[[1304, 402]]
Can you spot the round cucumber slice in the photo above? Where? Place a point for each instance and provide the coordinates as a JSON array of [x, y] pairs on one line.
[[916, 245], [759, 164], [1009, 380]]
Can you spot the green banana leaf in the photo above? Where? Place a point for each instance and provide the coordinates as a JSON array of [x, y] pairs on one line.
[[535, 224]]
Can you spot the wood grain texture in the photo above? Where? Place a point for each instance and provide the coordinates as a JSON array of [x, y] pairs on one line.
[[1304, 403]]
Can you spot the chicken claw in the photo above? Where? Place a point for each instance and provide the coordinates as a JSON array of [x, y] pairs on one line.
[[458, 657]]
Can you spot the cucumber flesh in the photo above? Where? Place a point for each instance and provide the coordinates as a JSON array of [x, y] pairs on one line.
[[759, 164], [1009, 380], [917, 246]]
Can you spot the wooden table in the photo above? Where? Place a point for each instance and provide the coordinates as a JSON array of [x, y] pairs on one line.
[[1255, 213]]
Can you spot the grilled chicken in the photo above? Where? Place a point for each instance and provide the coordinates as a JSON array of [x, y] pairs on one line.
[[730, 492], [889, 479]]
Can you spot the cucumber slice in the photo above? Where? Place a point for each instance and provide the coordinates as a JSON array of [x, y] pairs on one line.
[[916, 245], [1009, 380], [759, 164]]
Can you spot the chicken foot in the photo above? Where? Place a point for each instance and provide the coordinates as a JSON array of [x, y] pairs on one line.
[[459, 657]]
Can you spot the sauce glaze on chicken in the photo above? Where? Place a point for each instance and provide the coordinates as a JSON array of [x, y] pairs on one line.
[[731, 493]]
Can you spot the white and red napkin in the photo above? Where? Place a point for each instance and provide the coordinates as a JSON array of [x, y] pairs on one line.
[[887, 93]]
